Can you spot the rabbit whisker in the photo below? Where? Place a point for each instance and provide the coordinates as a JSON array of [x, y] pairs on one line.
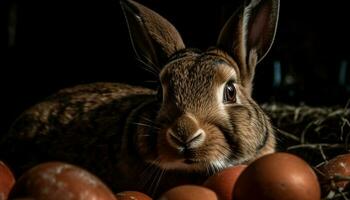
[[148, 120], [207, 167], [212, 168], [150, 71], [158, 179], [151, 67], [146, 125], [151, 188], [146, 175], [154, 178]]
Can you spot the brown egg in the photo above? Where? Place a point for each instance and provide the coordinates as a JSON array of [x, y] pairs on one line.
[[7, 180], [340, 165], [224, 181], [132, 195], [275, 177], [57, 181], [189, 192]]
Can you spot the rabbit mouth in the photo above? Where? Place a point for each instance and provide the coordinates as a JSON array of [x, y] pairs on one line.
[[191, 161], [198, 165], [183, 165]]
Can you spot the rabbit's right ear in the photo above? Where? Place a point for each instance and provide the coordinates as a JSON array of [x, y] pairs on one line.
[[248, 35], [154, 39]]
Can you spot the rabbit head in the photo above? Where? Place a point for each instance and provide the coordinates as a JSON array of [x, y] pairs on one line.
[[206, 119]]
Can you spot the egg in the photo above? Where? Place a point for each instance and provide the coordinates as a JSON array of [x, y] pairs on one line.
[[7, 180], [132, 195], [340, 165], [278, 176], [57, 181], [224, 181], [189, 192]]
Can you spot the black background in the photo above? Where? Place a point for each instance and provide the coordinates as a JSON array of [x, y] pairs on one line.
[[47, 45]]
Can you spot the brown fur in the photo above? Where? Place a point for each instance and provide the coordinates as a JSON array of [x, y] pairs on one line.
[[135, 141]]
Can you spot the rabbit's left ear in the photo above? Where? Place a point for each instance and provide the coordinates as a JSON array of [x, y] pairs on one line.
[[248, 35], [154, 39]]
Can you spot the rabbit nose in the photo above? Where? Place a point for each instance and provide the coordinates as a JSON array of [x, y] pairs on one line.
[[188, 141], [185, 133]]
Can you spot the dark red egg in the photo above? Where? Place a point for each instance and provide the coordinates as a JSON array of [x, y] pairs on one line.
[[7, 180], [331, 172], [132, 195], [57, 181], [189, 192], [277, 176], [224, 181]]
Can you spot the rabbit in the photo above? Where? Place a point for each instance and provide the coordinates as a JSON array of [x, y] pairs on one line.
[[201, 120]]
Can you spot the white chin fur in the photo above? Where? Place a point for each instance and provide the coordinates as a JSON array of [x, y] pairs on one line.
[[211, 167]]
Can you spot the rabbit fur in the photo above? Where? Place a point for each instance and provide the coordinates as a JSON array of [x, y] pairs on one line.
[[201, 120]]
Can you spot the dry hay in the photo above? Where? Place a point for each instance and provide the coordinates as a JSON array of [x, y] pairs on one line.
[[317, 134]]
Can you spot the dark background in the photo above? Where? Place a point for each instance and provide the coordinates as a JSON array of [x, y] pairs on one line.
[[47, 45]]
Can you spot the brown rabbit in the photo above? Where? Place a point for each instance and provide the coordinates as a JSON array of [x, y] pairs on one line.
[[202, 120]]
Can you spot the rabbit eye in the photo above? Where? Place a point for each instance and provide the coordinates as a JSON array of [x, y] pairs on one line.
[[230, 92]]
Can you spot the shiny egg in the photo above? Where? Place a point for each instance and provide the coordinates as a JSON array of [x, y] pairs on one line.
[[57, 181], [338, 166], [132, 195], [278, 176], [224, 181], [7, 180], [189, 192]]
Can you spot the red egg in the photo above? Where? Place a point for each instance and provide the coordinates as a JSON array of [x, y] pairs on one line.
[[275, 177], [340, 165], [189, 192], [7, 180], [57, 181], [132, 195], [224, 181]]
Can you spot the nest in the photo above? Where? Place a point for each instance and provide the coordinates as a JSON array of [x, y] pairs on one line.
[[317, 134]]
